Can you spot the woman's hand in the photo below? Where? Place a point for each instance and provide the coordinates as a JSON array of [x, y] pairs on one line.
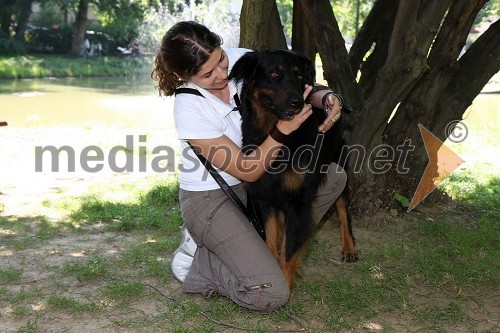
[[332, 107], [290, 125]]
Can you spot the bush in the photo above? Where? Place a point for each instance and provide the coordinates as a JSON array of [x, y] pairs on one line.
[[48, 40], [10, 46]]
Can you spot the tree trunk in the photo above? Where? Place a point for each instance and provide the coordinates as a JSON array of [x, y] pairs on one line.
[[260, 25], [421, 105], [6, 16], [22, 20], [331, 47], [476, 67], [301, 33], [79, 28], [406, 62], [376, 32], [407, 58]]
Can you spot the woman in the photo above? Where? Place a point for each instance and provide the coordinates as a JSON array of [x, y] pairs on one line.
[[230, 257]]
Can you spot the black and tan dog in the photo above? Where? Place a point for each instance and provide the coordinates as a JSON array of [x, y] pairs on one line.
[[273, 84]]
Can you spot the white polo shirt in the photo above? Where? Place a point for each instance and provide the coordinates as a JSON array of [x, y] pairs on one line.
[[206, 117]]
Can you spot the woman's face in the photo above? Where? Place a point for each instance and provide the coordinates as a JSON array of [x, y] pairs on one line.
[[212, 75]]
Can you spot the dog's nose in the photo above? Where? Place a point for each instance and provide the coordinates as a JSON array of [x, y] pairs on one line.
[[297, 103]]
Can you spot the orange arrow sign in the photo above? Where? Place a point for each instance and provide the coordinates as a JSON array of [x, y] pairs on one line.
[[442, 162]]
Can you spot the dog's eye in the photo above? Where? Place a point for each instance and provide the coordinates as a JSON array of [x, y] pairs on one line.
[[274, 75], [300, 77]]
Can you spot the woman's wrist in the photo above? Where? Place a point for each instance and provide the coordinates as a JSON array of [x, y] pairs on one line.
[[278, 135], [337, 96]]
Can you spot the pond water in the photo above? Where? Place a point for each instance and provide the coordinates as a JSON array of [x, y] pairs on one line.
[[119, 101]]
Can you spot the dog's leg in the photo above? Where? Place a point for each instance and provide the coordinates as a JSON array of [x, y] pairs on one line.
[[290, 267], [348, 253], [297, 233], [274, 228]]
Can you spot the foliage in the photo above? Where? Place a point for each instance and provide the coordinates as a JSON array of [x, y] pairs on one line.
[[56, 39], [490, 9], [121, 19], [404, 201], [10, 46], [217, 15], [285, 8], [155, 23], [54, 13], [62, 66], [345, 12]]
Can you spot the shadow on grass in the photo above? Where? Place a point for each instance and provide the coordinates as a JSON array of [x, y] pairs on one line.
[[23, 232], [157, 209], [480, 198]]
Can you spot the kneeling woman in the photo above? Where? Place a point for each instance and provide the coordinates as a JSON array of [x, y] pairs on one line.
[[230, 258]]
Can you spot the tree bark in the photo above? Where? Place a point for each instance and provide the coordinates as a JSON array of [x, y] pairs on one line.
[[376, 33], [406, 62], [476, 67], [376, 29], [6, 14], [331, 47], [22, 20], [420, 106], [79, 27], [260, 25], [301, 33], [408, 56]]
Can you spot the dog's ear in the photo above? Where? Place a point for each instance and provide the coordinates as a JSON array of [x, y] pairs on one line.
[[245, 67], [309, 69]]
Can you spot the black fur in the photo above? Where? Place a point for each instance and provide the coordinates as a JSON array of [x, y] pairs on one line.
[[273, 83]]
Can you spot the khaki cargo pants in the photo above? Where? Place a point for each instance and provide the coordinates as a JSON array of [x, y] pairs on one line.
[[231, 258]]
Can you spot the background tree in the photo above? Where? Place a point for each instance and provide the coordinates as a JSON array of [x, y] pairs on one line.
[[260, 25], [404, 68], [79, 27], [14, 17], [120, 18]]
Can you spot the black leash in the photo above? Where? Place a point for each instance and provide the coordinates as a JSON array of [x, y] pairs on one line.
[[248, 211]]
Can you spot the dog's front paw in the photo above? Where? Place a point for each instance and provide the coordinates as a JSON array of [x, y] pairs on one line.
[[348, 256]]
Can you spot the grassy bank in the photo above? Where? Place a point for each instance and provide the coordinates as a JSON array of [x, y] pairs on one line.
[[93, 255], [36, 66], [105, 267]]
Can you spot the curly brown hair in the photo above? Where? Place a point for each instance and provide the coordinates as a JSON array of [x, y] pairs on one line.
[[185, 47]]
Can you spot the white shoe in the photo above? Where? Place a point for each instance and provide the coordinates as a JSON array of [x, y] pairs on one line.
[[182, 258]]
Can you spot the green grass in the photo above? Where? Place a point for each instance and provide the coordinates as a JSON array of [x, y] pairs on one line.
[[24, 232], [154, 209], [92, 268], [478, 193], [432, 270], [70, 304], [10, 274], [37, 66]]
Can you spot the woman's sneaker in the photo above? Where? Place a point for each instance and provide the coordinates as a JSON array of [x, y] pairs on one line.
[[182, 258]]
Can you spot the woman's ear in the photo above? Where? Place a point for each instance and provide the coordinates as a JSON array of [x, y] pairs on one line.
[[245, 67]]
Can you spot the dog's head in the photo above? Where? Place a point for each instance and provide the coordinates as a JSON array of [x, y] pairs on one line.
[[274, 80]]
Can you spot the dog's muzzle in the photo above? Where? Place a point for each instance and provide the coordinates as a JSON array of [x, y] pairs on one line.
[[286, 112]]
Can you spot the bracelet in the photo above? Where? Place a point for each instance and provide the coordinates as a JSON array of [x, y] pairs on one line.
[[277, 135], [340, 98], [314, 90]]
